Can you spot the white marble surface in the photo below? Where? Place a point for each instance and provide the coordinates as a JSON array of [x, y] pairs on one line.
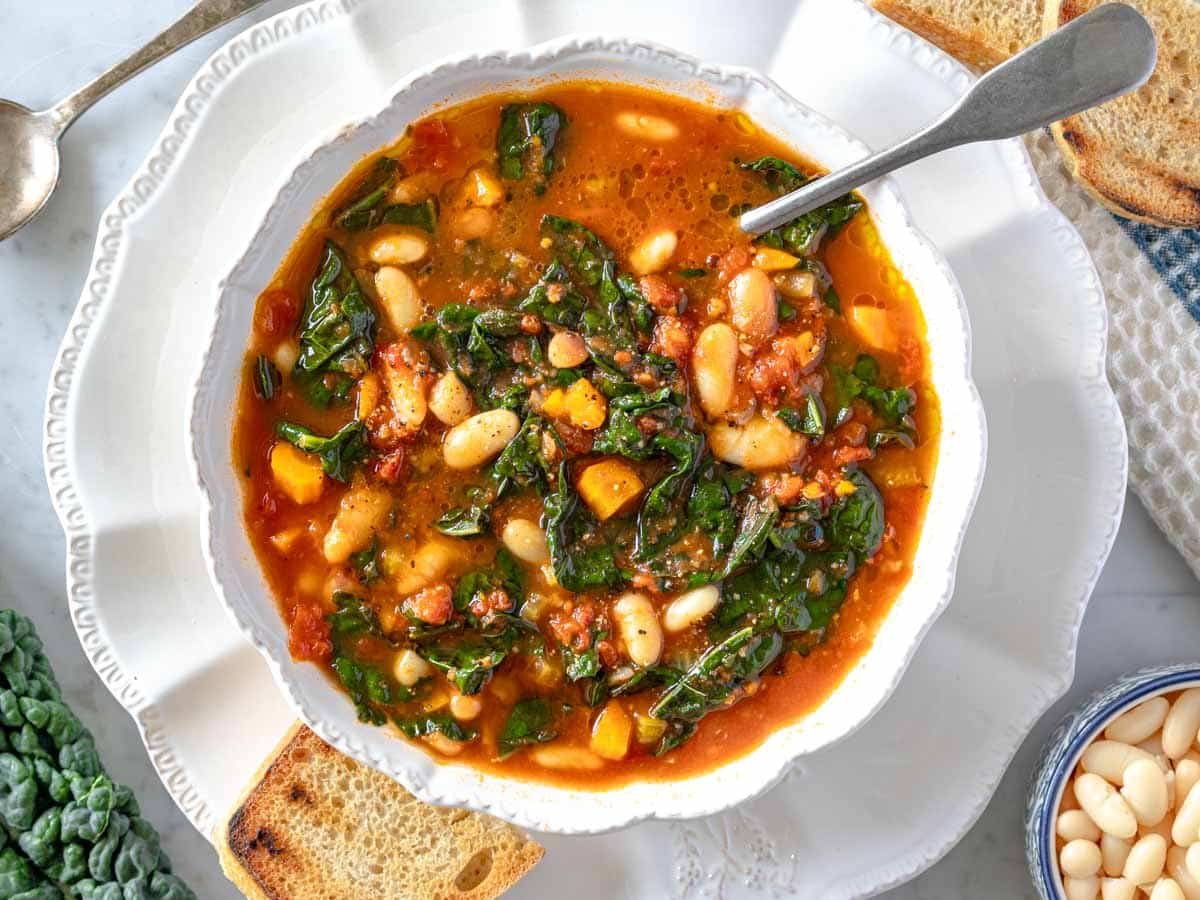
[[1146, 608]]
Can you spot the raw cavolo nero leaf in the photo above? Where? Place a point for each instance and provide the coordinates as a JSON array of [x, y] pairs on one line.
[[70, 830], [337, 332], [339, 453], [801, 235], [531, 721], [526, 139]]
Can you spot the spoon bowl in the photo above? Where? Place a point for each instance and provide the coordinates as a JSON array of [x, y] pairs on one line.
[[29, 156], [29, 164]]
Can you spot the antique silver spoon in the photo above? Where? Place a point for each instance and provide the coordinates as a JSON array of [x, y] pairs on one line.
[[29, 157], [1103, 54]]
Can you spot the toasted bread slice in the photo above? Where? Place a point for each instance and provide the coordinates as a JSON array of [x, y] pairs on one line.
[[316, 825], [1139, 155], [980, 33]]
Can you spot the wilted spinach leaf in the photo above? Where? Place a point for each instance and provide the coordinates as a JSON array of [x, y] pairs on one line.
[[363, 211], [581, 558], [721, 670], [781, 176], [267, 379], [801, 235], [856, 521]]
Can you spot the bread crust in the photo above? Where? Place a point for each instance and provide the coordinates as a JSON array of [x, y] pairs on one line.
[[1120, 175], [973, 48], [299, 810]]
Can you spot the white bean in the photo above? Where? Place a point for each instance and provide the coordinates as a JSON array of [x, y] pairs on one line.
[[410, 667], [1117, 889], [449, 399], [1146, 859], [1081, 888], [1181, 724], [285, 356], [1105, 806], [1074, 824], [1187, 773], [406, 390], [552, 757], [476, 440], [1177, 868], [754, 310], [714, 367], [1079, 858], [427, 564], [399, 297], [1145, 791], [465, 708], [1167, 889], [689, 608], [1185, 830], [637, 622], [1135, 725], [566, 350], [398, 249], [762, 443], [1114, 851], [361, 512], [653, 252], [1108, 759], [647, 127], [1192, 861], [526, 541]]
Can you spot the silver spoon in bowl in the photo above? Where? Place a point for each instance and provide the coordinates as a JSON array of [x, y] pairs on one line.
[[1108, 52], [29, 155]]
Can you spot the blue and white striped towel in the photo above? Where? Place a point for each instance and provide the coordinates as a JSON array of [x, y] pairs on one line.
[[1151, 278]]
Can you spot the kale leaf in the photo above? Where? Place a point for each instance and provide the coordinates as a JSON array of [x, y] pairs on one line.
[[363, 211], [339, 453], [531, 721], [337, 332], [527, 135], [469, 665], [856, 521], [581, 557], [893, 405], [267, 379], [717, 674], [801, 235], [434, 723]]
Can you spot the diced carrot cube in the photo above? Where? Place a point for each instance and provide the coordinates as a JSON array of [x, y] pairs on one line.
[[609, 487], [771, 260], [610, 734], [872, 326], [586, 406], [298, 474]]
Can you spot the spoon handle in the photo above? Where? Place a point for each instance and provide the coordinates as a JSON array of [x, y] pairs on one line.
[[202, 18], [1103, 54]]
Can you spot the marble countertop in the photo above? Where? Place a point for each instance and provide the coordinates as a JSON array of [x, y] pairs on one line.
[[46, 50]]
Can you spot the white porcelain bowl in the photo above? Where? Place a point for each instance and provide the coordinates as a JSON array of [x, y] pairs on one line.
[[239, 581]]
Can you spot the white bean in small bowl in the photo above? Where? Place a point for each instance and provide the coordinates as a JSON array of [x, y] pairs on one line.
[[1114, 808]]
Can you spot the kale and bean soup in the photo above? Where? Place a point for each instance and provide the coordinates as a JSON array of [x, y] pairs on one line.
[[555, 470]]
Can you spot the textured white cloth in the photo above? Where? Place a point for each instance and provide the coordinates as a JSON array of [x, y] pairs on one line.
[[1153, 350]]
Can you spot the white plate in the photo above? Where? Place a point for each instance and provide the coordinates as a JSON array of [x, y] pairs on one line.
[[238, 576], [867, 814]]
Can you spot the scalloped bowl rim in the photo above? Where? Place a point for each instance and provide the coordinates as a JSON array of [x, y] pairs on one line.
[[234, 570], [1074, 733]]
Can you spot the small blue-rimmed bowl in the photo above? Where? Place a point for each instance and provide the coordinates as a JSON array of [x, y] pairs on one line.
[[1062, 752]]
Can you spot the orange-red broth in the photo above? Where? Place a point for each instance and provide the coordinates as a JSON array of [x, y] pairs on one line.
[[622, 187]]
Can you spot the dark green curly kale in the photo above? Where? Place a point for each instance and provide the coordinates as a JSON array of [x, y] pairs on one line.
[[66, 829]]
